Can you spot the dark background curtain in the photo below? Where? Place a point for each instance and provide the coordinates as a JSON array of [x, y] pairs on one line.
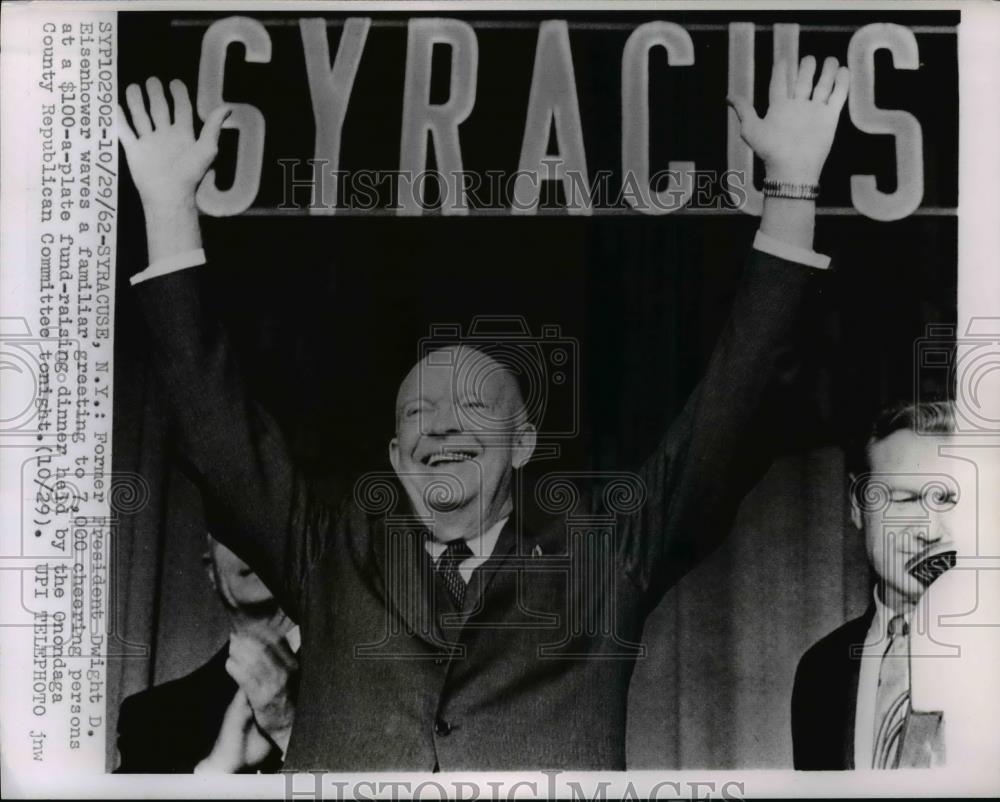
[[326, 314]]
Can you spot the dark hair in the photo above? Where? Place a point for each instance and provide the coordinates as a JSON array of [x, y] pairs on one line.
[[923, 417]]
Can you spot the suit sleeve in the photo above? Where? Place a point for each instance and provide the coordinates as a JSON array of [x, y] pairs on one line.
[[723, 440], [130, 751], [257, 503], [150, 740], [802, 716]]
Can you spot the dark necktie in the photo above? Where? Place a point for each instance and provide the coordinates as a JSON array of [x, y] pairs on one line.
[[455, 554]]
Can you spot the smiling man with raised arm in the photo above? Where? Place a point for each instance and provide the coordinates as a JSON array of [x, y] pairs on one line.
[[456, 643]]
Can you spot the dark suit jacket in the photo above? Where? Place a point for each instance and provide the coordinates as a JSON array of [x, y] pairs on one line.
[[825, 698], [170, 728], [538, 676]]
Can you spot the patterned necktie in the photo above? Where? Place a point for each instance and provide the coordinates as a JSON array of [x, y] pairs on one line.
[[455, 554], [892, 700]]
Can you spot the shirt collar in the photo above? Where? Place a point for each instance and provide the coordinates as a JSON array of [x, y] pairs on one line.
[[883, 615], [482, 545]]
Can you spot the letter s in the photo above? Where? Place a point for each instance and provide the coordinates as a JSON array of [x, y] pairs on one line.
[[867, 117], [245, 118]]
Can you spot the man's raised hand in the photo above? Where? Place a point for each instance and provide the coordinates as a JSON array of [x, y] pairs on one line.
[[793, 139], [166, 161]]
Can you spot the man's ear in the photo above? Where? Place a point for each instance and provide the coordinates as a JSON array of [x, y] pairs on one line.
[[206, 560], [394, 454], [856, 517], [525, 440]]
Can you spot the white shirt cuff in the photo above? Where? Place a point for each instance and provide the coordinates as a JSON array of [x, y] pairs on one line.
[[793, 253], [294, 638], [171, 264]]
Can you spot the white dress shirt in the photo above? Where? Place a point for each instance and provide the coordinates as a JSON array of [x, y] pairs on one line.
[[482, 547], [294, 638]]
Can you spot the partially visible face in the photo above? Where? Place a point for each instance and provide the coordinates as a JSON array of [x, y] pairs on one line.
[[460, 432], [238, 585], [919, 514]]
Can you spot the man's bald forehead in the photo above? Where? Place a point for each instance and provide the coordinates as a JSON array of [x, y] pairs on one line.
[[465, 369]]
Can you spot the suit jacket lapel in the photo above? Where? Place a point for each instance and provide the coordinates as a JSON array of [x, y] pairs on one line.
[[854, 672], [856, 639], [484, 575], [407, 573]]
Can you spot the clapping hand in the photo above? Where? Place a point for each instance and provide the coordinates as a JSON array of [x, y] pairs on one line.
[[261, 714], [265, 668]]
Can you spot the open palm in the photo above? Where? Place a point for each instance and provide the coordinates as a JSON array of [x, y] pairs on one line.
[[167, 162], [793, 139]]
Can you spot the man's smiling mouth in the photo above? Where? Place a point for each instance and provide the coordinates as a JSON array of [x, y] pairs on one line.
[[448, 455]]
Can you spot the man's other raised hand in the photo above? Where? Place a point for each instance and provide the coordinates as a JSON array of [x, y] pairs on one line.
[[793, 139]]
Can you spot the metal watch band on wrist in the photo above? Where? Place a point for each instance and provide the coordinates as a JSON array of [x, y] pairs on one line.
[[788, 189]]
